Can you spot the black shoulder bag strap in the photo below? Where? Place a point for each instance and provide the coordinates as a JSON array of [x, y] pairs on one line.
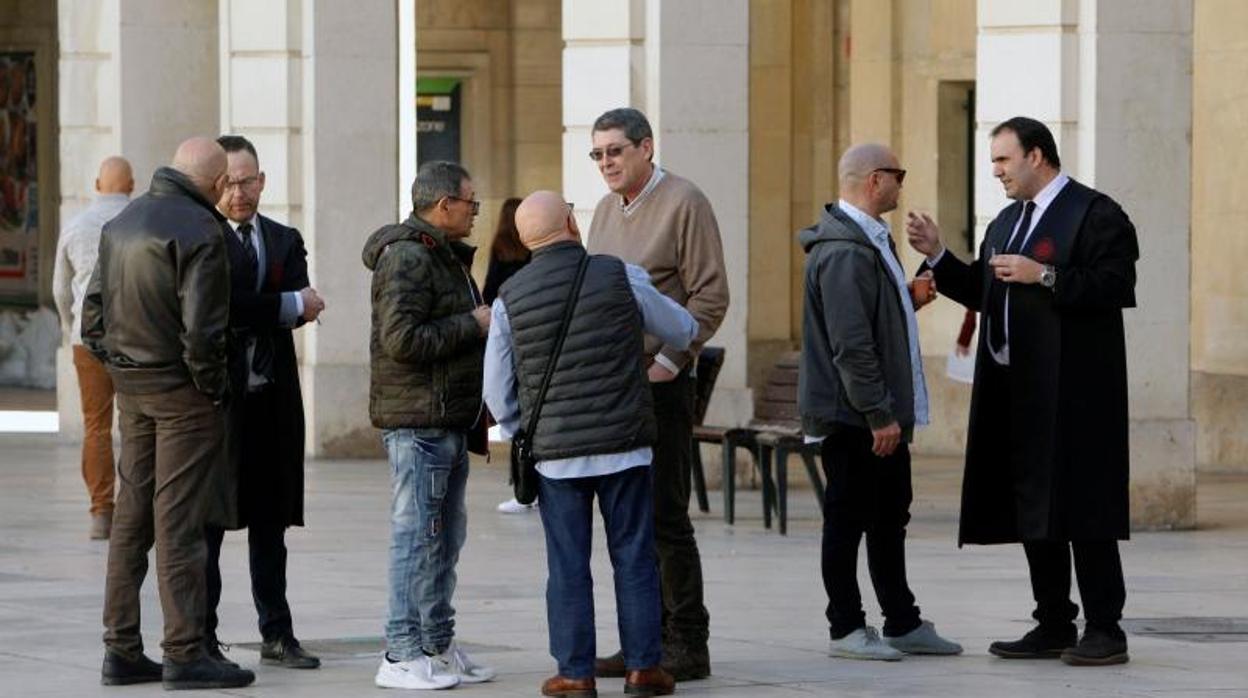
[[554, 355]]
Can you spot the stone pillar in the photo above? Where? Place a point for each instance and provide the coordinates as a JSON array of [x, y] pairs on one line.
[[136, 78], [686, 65], [1112, 79], [350, 146]]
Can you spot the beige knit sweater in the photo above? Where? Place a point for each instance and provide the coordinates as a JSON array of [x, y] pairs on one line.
[[671, 232]]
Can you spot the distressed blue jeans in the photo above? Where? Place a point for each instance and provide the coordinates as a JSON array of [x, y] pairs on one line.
[[428, 525]]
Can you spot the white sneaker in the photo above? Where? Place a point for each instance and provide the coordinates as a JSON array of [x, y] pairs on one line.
[[421, 673], [511, 506], [864, 643], [456, 662]]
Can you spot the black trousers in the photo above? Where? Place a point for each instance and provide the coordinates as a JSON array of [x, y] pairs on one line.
[[866, 495], [266, 544], [1098, 569], [685, 619]]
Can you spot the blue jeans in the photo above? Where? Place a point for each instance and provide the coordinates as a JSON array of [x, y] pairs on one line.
[[627, 507], [428, 525]]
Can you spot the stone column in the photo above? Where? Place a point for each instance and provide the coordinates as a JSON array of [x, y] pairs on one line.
[[1112, 79], [136, 78], [686, 65], [350, 147]]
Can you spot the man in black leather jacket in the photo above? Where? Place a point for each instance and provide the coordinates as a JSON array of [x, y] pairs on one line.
[[156, 313]]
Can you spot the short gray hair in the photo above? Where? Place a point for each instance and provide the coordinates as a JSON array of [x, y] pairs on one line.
[[633, 123], [435, 180]]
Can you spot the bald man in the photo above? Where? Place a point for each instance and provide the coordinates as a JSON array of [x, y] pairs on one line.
[[594, 434], [75, 260], [861, 393], [156, 313]]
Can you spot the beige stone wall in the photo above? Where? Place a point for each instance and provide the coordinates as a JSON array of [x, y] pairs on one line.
[[1219, 236], [509, 54]]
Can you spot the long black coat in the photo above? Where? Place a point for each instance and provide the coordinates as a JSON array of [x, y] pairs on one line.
[[265, 483], [1047, 453]]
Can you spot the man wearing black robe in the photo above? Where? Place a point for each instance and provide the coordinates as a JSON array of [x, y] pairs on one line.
[[1047, 456]]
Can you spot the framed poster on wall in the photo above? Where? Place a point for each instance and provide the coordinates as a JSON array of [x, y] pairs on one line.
[[19, 179]]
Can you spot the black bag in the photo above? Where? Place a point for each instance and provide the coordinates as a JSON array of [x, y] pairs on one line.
[[523, 462]]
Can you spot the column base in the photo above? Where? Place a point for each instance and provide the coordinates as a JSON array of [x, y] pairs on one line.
[[1163, 474]]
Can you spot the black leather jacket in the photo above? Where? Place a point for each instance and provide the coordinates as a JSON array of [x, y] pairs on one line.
[[157, 307]]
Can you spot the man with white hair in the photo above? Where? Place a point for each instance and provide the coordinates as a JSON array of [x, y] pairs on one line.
[[156, 314]]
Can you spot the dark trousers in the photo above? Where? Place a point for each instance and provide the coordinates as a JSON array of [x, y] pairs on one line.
[[170, 442], [266, 546], [567, 518], [1098, 569], [685, 619], [867, 495]]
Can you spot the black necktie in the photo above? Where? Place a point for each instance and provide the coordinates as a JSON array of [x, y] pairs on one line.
[[996, 291], [262, 357]]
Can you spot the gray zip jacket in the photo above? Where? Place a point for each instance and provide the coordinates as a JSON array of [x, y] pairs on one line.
[[855, 367]]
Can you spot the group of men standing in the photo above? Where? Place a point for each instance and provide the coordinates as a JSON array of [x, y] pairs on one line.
[[626, 317], [1047, 453], [187, 316], [194, 296]]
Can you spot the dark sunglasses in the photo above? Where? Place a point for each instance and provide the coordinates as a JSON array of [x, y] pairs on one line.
[[611, 151], [899, 174]]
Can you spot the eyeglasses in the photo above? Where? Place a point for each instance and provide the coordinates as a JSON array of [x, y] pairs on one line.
[[476, 205], [612, 151], [244, 183], [899, 174]]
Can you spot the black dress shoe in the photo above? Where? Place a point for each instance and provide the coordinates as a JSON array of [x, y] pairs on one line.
[[119, 671], [286, 652], [1041, 643], [203, 672], [216, 649], [686, 662], [611, 667], [1098, 648]]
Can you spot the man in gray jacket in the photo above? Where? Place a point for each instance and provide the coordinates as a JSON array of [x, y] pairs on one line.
[[861, 393]]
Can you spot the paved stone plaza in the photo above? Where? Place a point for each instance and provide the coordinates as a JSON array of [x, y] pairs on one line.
[[1187, 605]]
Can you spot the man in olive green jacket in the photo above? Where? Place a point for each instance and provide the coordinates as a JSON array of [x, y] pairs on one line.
[[427, 346]]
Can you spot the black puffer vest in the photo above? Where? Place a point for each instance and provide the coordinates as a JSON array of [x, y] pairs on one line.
[[599, 400]]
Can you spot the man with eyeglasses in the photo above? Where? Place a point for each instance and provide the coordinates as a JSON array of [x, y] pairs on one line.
[[664, 224], [426, 356], [861, 393], [261, 487]]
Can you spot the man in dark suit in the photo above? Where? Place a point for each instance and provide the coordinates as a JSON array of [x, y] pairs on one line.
[[1046, 455], [262, 486]]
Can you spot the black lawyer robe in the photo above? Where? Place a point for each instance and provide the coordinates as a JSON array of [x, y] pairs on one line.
[[263, 484], [1047, 449]]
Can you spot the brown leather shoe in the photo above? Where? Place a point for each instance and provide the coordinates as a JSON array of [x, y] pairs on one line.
[[610, 667], [563, 686], [649, 682]]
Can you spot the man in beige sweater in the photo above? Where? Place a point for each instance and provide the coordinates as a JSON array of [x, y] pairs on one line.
[[664, 223]]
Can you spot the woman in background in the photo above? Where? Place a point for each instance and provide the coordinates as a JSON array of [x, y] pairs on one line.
[[507, 256]]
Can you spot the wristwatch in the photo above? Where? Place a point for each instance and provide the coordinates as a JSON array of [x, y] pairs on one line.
[[1048, 277]]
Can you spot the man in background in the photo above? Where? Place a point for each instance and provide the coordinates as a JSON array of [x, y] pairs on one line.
[[75, 261]]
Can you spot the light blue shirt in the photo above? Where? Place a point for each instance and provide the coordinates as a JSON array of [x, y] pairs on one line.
[[660, 316], [878, 233]]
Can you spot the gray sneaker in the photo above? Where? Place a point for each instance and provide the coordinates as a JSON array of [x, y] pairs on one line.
[[924, 640], [864, 643]]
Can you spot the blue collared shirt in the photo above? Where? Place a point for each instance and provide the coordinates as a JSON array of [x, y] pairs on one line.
[[660, 316], [878, 233]]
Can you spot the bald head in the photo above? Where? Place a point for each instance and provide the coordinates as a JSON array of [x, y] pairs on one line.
[[203, 161], [870, 178], [115, 176], [543, 219]]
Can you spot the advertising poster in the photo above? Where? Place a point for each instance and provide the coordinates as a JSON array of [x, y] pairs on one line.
[[19, 179]]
